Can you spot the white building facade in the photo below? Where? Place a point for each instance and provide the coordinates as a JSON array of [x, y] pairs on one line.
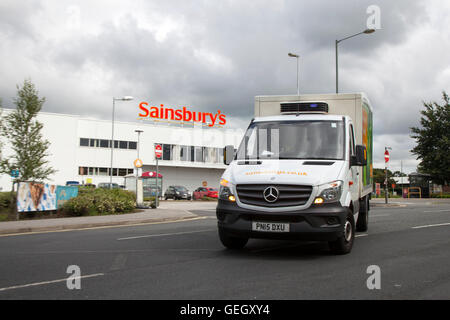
[[80, 150]]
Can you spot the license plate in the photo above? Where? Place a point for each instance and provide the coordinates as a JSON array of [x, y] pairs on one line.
[[270, 227]]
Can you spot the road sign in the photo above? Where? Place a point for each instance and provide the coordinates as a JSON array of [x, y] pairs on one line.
[[386, 156], [138, 163], [15, 173], [158, 151]]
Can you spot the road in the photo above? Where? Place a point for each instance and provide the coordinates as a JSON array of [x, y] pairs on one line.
[[185, 260]]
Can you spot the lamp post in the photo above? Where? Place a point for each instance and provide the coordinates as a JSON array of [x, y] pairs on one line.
[[125, 98], [386, 177], [367, 31], [295, 56], [137, 169]]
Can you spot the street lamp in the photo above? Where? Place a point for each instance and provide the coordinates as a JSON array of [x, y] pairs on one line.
[[137, 169], [125, 98], [386, 178], [367, 31], [295, 56]]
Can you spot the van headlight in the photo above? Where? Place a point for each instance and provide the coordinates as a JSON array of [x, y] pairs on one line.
[[225, 192], [329, 192]]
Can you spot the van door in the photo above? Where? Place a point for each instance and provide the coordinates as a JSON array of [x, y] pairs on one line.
[[353, 172]]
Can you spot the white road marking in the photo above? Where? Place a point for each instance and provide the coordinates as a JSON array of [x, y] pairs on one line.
[[379, 215], [431, 225], [447, 210], [49, 282], [361, 235], [165, 234]]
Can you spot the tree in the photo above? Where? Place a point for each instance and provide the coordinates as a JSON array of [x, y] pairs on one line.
[[433, 141], [379, 176], [23, 132], [399, 174]]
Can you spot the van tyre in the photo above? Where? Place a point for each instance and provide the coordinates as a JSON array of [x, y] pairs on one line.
[[363, 217], [344, 243], [230, 241]]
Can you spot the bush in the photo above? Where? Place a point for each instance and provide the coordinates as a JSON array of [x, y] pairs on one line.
[[6, 203], [99, 201], [438, 195]]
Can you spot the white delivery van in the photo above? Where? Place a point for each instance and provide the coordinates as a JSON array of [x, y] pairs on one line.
[[302, 171]]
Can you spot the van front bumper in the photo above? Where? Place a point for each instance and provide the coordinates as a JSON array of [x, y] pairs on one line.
[[317, 223]]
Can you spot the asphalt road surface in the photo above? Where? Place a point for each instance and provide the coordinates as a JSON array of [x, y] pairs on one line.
[[185, 260]]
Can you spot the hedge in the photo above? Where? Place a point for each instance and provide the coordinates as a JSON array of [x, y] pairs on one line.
[[99, 201]]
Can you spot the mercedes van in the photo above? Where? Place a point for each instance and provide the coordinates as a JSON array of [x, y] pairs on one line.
[[303, 171]]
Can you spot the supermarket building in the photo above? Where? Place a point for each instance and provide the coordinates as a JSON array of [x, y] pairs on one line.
[[80, 150]]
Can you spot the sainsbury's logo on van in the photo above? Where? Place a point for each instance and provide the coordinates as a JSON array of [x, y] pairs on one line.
[[182, 114]]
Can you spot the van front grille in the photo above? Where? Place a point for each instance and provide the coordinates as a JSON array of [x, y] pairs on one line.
[[287, 195]]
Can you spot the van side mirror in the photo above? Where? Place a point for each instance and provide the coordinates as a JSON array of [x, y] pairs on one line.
[[361, 155], [228, 154]]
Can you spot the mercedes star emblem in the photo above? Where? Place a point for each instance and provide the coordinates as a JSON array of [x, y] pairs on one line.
[[271, 194]]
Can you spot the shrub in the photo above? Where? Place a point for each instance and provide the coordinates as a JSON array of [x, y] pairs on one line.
[[6, 202], [100, 201]]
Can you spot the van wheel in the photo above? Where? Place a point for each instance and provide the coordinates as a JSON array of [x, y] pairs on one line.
[[231, 242], [363, 217], [344, 243]]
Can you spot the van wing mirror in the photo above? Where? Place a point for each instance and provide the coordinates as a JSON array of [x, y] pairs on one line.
[[228, 154], [361, 155]]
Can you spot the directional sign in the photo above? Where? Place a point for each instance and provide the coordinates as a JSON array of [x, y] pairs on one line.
[[386, 156], [158, 151], [138, 163], [15, 173]]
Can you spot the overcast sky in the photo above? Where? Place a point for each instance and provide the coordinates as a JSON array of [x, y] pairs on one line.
[[211, 55]]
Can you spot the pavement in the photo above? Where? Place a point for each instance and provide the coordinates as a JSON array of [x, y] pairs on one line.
[[407, 243], [167, 211]]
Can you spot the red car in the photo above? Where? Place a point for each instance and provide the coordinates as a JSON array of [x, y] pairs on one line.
[[205, 192]]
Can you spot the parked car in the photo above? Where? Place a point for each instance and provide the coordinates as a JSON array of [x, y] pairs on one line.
[[177, 193], [107, 185], [205, 192], [72, 183]]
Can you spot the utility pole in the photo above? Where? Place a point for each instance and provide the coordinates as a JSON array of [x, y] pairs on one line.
[[386, 160]]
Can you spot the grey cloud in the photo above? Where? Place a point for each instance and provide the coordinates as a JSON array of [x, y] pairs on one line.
[[79, 72]]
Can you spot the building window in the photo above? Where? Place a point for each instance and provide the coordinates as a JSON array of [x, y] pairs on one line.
[[199, 154], [132, 145], [122, 172], [102, 171], [82, 171], [167, 152], [130, 171], [123, 144], [93, 143], [84, 142], [104, 143], [184, 153]]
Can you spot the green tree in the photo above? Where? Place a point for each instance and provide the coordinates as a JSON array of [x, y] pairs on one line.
[[23, 132], [399, 174], [433, 141], [379, 176]]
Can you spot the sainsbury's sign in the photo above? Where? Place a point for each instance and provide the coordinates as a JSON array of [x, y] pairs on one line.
[[183, 114]]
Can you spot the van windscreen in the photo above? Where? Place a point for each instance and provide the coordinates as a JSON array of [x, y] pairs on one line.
[[307, 139]]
